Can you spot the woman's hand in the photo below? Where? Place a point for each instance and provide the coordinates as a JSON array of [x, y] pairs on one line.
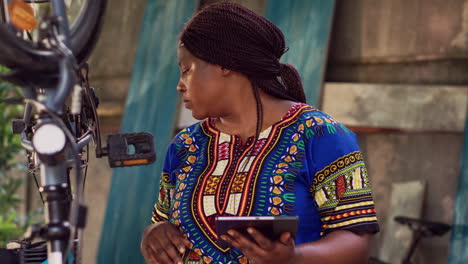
[[162, 243], [264, 250]]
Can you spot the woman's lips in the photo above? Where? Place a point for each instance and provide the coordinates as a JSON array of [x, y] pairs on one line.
[[187, 104]]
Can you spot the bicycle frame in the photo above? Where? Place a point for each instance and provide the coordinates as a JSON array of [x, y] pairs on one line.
[[64, 214], [3, 8], [55, 183], [54, 177]]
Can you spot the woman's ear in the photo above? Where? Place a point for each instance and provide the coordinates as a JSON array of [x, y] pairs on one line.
[[225, 72]]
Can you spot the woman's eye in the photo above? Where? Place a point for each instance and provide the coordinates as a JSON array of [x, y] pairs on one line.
[[185, 71]]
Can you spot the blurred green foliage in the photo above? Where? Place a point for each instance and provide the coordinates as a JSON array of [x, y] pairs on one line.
[[11, 225]]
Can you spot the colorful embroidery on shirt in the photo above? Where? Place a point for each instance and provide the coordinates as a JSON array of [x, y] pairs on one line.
[[213, 174], [342, 193]]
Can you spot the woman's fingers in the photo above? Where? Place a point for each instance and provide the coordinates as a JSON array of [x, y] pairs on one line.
[[167, 252], [261, 240], [187, 243], [151, 257], [163, 243], [286, 239], [179, 242], [150, 254], [147, 254], [243, 243], [179, 245], [161, 256], [262, 250], [147, 251]]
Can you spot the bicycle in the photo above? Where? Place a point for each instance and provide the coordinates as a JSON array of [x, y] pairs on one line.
[[421, 229], [47, 59]]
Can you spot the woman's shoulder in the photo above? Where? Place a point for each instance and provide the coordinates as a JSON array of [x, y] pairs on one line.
[[311, 112], [319, 123], [327, 136], [188, 133]]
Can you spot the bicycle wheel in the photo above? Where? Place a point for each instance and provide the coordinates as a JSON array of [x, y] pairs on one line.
[[31, 55]]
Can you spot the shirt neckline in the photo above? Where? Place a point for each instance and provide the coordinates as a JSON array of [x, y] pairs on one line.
[[292, 110]]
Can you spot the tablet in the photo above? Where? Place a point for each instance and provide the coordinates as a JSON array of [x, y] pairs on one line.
[[270, 226]]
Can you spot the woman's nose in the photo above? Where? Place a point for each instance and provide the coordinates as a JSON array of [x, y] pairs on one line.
[[181, 87]]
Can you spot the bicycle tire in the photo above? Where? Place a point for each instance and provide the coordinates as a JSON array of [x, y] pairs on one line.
[[85, 35], [28, 57]]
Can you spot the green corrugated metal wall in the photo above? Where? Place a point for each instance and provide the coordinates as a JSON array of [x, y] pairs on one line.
[[151, 106]]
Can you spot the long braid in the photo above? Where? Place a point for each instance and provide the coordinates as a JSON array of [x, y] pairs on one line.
[[259, 105], [258, 125]]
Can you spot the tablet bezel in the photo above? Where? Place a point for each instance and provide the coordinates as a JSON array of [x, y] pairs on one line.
[[270, 226]]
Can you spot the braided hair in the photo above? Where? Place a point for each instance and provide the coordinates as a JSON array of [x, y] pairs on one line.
[[238, 39]]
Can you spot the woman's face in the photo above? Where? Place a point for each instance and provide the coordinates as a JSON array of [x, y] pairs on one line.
[[200, 85]]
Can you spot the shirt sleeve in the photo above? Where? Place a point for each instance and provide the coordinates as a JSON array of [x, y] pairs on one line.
[[340, 185], [162, 207]]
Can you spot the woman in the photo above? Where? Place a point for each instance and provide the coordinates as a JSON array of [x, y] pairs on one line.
[[259, 150]]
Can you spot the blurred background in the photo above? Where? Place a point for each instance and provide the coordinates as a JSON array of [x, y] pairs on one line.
[[394, 71]]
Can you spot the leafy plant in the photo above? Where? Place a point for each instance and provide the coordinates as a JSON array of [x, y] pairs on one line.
[[11, 225]]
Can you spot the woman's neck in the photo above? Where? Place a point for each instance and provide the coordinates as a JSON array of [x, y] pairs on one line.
[[241, 120]]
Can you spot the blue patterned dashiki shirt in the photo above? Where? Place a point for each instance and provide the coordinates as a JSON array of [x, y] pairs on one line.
[[307, 164]]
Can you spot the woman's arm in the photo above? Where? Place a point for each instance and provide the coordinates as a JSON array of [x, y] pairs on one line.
[[340, 247]]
